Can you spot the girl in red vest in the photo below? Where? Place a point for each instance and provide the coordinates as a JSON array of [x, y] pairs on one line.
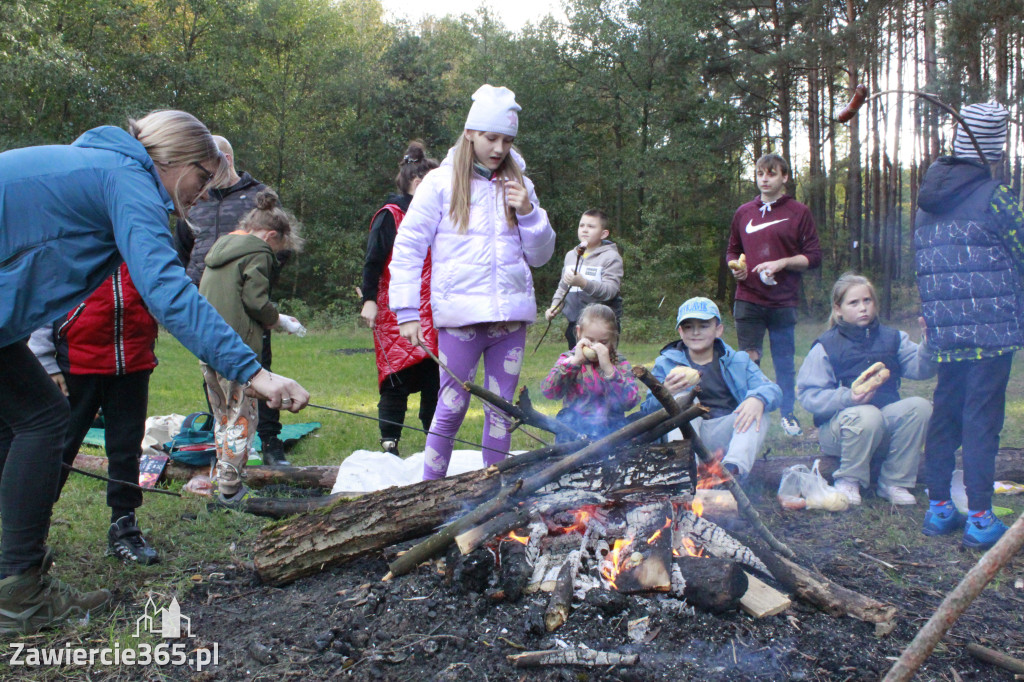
[[401, 368]]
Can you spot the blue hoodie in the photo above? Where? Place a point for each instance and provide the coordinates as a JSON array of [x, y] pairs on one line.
[[743, 377], [68, 214]]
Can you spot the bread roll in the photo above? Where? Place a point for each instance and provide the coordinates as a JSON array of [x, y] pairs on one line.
[[740, 263], [870, 379], [689, 374], [590, 354]]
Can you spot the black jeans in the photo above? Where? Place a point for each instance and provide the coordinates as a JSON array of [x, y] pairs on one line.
[[752, 320], [124, 400], [269, 424], [970, 403], [423, 377], [33, 421]]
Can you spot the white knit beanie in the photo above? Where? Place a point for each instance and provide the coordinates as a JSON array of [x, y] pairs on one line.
[[988, 123], [494, 111]]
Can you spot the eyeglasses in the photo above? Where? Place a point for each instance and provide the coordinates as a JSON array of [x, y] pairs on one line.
[[206, 177]]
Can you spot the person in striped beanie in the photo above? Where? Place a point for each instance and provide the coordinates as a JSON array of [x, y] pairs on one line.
[[969, 253]]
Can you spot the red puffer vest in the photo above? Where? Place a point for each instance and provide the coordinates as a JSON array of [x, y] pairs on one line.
[[114, 333], [393, 352]]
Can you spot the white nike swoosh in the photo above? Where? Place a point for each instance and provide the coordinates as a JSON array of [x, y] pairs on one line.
[[751, 228]]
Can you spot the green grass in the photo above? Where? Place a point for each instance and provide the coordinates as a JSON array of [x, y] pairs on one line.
[[190, 539]]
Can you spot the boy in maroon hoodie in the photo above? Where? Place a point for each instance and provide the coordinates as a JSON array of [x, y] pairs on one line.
[[776, 235]]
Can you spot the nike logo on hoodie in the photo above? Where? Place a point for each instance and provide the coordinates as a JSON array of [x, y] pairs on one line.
[[751, 228]]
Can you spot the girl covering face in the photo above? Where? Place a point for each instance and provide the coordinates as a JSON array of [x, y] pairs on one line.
[[595, 386], [479, 217]]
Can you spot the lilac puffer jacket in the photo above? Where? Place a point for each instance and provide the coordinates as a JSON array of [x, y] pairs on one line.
[[480, 276]]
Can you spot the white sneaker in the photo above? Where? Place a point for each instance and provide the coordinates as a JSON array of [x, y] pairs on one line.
[[896, 494], [850, 488], [791, 426]]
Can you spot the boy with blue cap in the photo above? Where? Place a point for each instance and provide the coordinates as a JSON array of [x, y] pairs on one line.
[[732, 386]]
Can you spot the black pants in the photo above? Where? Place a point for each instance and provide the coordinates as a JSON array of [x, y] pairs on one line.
[[269, 425], [970, 403], [124, 400], [423, 377], [33, 421]]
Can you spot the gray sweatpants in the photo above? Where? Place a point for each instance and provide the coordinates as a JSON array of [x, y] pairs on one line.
[[897, 430], [741, 449]]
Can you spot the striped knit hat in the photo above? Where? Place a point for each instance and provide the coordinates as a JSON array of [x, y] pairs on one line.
[[988, 123]]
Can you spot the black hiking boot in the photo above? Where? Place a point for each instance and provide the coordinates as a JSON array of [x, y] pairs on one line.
[[125, 541], [273, 452], [390, 446], [34, 600]]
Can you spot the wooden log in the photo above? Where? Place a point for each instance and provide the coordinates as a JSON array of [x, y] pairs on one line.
[[560, 603], [715, 540], [762, 600], [515, 569], [341, 530], [996, 658], [956, 602], [1009, 467], [585, 657], [529, 484], [742, 502], [818, 590], [499, 525], [713, 585]]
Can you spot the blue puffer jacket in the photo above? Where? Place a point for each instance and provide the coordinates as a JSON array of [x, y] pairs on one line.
[[67, 215], [968, 278], [742, 375]]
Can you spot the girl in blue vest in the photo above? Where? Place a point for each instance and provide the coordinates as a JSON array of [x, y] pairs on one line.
[[857, 427]]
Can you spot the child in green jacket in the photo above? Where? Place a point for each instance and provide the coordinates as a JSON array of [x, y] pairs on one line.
[[237, 282]]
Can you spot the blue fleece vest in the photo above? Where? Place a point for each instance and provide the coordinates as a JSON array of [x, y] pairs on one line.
[[852, 349]]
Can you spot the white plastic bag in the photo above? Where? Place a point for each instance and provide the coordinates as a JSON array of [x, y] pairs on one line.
[[291, 325], [800, 484]]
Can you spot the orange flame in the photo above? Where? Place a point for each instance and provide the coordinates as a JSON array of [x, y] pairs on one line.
[[657, 534], [521, 539], [691, 548], [580, 519], [697, 507], [610, 570], [711, 474]]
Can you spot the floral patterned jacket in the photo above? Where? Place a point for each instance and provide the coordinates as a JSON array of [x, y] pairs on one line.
[[592, 404]]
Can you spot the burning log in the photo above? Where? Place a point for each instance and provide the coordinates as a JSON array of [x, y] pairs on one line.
[[641, 430], [714, 585], [515, 569], [587, 657], [717, 542], [742, 502], [500, 524]]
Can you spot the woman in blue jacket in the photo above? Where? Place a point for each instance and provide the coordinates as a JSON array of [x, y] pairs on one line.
[[69, 215]]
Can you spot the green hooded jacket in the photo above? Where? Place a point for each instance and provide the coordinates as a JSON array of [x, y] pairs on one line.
[[237, 283]]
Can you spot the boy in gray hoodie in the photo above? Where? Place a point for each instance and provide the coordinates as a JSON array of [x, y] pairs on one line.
[[593, 277]]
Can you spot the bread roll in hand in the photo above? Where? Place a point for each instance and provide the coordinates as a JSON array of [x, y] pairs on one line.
[[870, 379]]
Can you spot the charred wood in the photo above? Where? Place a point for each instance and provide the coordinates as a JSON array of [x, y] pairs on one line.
[[586, 657], [713, 585]]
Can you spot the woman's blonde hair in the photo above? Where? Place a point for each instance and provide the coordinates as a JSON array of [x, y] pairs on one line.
[[462, 184], [599, 312], [269, 216], [839, 290], [177, 138]]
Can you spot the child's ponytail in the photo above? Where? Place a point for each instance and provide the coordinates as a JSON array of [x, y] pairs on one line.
[[414, 164], [268, 215]]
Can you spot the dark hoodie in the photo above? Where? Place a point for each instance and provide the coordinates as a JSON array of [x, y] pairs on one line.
[[968, 260]]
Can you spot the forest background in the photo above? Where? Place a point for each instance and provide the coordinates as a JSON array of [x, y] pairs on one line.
[[651, 110]]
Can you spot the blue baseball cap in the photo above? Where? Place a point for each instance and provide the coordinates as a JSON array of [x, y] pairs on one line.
[[698, 308]]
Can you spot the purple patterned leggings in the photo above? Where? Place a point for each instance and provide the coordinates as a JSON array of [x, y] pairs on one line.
[[501, 344]]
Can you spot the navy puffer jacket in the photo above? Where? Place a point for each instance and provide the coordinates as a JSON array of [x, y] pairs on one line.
[[966, 274]]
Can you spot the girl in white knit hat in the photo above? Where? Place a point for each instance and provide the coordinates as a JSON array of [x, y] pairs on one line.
[[479, 217]]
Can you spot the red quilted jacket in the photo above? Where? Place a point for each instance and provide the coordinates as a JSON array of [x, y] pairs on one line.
[[393, 352], [114, 333]]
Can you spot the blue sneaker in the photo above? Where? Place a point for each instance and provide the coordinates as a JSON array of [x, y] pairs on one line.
[[942, 519], [982, 531]]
